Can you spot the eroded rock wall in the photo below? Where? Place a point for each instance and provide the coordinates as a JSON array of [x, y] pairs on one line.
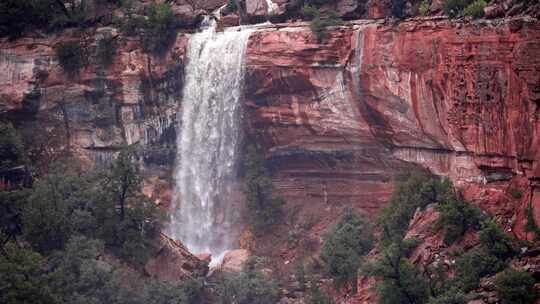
[[91, 114], [337, 119], [341, 118]]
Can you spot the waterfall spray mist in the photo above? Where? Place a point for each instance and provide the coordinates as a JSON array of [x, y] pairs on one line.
[[208, 141]]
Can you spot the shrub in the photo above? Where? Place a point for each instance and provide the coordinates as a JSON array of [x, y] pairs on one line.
[[189, 291], [128, 222], [347, 242], [475, 9], [414, 191], [11, 204], [400, 282], [531, 225], [131, 25], [17, 17], [70, 56], [159, 28], [474, 265], [452, 296], [514, 286], [495, 240], [46, 215], [454, 8], [319, 23], [424, 7], [22, 278], [11, 146], [247, 287], [264, 210], [106, 49], [456, 217]]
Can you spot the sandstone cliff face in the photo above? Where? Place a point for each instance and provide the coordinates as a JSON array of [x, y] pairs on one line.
[[337, 119], [341, 118], [92, 114]]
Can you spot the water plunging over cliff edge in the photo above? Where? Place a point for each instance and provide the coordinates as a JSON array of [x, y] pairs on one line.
[[208, 142]]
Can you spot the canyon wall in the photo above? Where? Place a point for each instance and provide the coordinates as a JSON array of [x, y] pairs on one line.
[[341, 118], [338, 119]]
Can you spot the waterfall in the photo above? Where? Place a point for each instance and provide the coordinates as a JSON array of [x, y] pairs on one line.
[[208, 142]]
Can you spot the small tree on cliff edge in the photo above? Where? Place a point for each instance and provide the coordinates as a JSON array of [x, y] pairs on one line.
[[264, 209]]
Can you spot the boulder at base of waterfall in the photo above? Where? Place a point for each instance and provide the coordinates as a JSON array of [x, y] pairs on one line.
[[173, 262], [234, 260]]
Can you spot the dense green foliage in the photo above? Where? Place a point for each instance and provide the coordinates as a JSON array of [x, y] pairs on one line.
[[106, 49], [415, 191], [159, 28], [531, 225], [107, 206], [451, 296], [513, 286], [423, 8], [21, 277], [20, 16], [454, 8], [475, 9], [48, 212], [319, 21], [157, 31], [496, 241], [344, 246], [264, 209], [70, 56], [67, 221], [401, 282], [456, 217], [473, 265], [458, 8], [247, 287], [11, 147]]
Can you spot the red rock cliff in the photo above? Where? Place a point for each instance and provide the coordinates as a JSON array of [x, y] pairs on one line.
[[341, 118], [338, 119]]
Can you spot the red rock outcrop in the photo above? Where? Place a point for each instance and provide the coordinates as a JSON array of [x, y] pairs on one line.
[[173, 262]]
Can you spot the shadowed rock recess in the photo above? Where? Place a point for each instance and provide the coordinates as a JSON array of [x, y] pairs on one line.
[[337, 119]]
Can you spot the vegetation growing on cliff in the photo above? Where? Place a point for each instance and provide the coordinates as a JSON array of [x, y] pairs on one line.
[[514, 286], [247, 287], [11, 146], [457, 217], [54, 233], [70, 56], [264, 209], [320, 21], [403, 282], [459, 8], [344, 246]]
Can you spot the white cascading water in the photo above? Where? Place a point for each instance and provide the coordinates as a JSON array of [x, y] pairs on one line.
[[208, 142]]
